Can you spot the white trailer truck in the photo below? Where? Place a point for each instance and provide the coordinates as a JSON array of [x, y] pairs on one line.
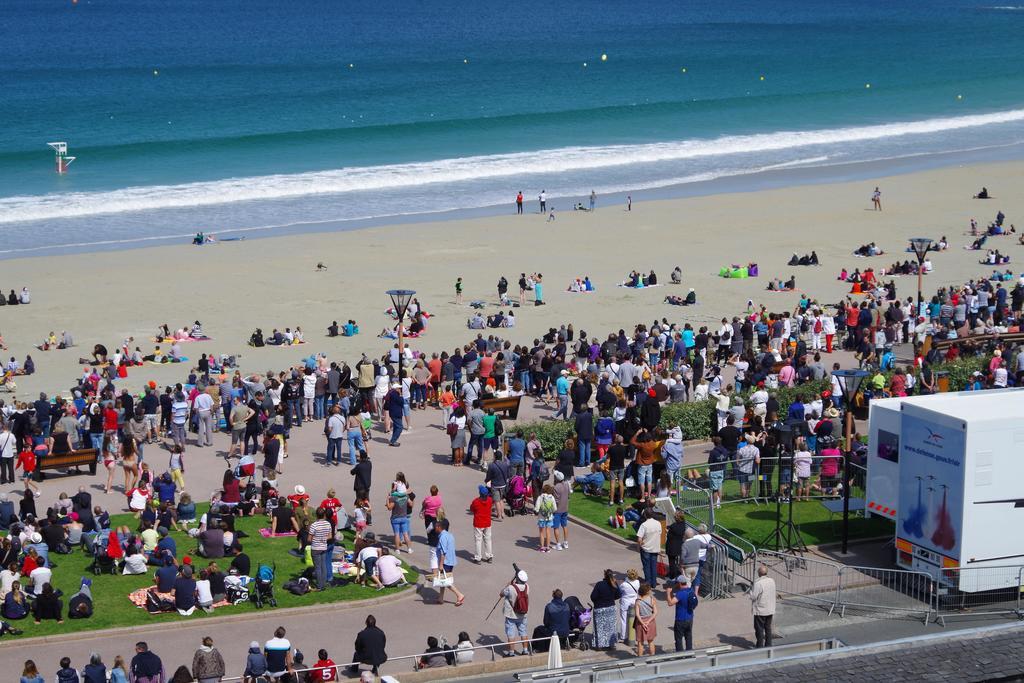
[[961, 489]]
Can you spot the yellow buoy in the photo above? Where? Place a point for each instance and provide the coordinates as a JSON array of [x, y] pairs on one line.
[[584, 65], [762, 78], [156, 72], [465, 61], [959, 97], [351, 66], [683, 69], [604, 58], [867, 85]]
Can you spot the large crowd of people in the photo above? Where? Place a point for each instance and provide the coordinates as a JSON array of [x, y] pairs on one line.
[[611, 386]]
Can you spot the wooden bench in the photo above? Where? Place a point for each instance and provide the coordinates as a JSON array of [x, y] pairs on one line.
[[508, 405], [63, 461], [943, 344]]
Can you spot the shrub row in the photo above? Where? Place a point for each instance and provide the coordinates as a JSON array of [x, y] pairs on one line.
[[695, 417]]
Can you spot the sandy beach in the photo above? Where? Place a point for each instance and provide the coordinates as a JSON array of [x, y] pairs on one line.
[[235, 287]]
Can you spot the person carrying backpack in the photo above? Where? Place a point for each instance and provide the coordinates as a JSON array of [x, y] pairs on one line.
[[516, 603]]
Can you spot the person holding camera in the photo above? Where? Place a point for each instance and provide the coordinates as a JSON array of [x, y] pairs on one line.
[[515, 604]]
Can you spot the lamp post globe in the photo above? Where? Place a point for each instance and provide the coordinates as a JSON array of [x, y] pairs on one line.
[[400, 300], [920, 245]]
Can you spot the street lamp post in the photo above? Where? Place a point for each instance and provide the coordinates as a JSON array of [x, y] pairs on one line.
[[849, 382], [400, 299], [920, 245]]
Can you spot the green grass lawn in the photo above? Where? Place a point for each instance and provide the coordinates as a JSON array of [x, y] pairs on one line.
[[111, 607], [596, 511], [753, 522], [756, 522]]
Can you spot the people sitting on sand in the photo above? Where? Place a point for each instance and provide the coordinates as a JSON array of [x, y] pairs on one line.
[[332, 329], [197, 331], [942, 244], [256, 338], [12, 299], [638, 281], [677, 275], [418, 325], [496, 320], [869, 249], [25, 297], [50, 342], [977, 244], [983, 194], [994, 258], [477, 322], [1001, 277], [1000, 217], [780, 286], [805, 260], [689, 300], [199, 238], [351, 329], [276, 338]]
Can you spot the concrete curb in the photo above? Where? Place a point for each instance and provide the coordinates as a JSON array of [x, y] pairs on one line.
[[215, 621]]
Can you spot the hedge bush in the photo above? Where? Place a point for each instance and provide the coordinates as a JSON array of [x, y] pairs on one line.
[[695, 417]]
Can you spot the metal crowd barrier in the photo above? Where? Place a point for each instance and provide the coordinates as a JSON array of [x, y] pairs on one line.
[[888, 590], [951, 603]]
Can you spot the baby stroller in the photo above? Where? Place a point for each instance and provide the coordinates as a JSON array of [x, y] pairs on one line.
[[516, 496], [263, 591], [579, 620]]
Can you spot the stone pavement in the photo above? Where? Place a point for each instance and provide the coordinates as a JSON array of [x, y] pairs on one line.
[[423, 457]]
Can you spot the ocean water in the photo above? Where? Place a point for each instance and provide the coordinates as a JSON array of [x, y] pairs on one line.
[[243, 118]]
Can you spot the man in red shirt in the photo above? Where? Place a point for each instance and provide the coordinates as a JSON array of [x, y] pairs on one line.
[[324, 669], [481, 509]]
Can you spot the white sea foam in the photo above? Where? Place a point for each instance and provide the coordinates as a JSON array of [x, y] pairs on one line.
[[458, 170]]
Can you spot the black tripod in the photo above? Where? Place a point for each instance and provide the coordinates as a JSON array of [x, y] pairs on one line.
[[786, 535]]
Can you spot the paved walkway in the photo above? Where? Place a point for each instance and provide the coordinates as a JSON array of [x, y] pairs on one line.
[[423, 457]]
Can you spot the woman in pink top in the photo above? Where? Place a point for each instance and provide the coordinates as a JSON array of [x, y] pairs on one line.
[[786, 375], [431, 504]]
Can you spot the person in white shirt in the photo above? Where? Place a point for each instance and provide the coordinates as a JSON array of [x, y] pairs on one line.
[[204, 596], [39, 577], [628, 592], [999, 376], [179, 416], [7, 579], [7, 443], [203, 405]]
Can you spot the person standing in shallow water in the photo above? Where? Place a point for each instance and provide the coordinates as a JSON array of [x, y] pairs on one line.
[[519, 203]]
